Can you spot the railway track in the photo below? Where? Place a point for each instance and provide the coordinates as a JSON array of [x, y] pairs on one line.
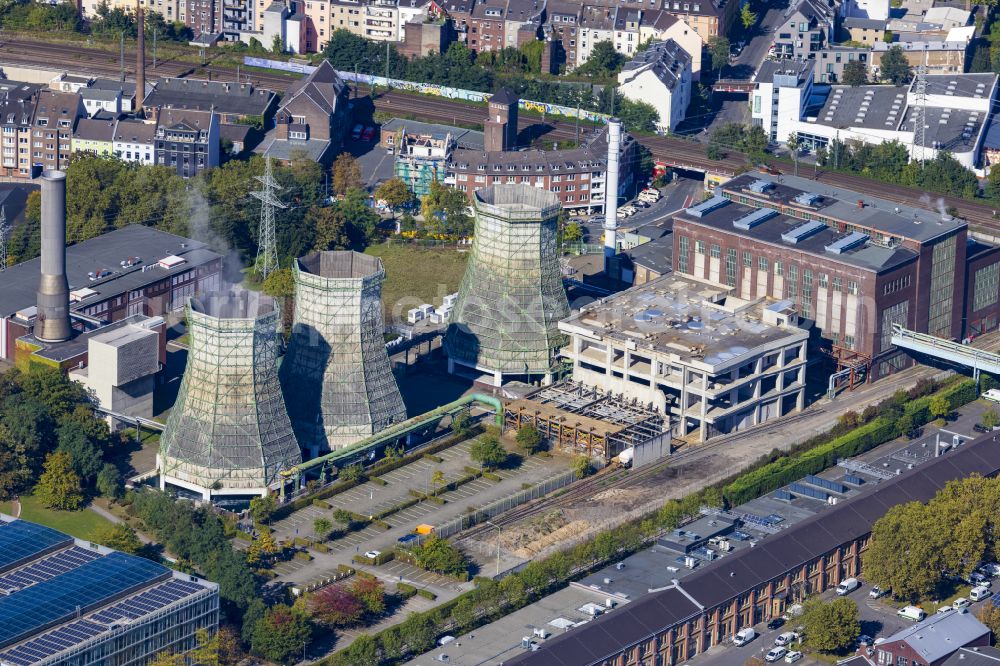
[[587, 488]]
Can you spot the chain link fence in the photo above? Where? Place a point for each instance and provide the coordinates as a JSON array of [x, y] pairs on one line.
[[503, 504]]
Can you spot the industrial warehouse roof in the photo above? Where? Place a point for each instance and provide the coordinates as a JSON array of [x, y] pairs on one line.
[[920, 224], [221, 96], [772, 557], [19, 283], [60, 592]]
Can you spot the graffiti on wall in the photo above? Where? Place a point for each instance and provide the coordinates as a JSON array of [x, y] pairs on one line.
[[431, 89]]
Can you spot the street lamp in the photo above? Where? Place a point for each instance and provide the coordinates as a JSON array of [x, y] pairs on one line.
[[498, 544]]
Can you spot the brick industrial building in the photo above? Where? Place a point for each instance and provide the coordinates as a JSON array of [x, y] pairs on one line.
[[673, 624], [851, 264]]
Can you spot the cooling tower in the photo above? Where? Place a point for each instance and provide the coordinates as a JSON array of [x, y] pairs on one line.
[[52, 299], [336, 374], [229, 433], [506, 318]]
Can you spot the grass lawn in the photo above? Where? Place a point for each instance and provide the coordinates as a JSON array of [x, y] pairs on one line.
[[79, 524], [415, 275]]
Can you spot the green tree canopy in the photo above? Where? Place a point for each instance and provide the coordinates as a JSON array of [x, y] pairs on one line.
[[855, 73], [831, 626], [118, 536], [281, 635], [894, 67], [488, 451], [59, 486], [528, 438], [394, 192], [604, 61]]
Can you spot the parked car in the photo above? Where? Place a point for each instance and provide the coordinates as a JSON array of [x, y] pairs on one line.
[[793, 657], [991, 569], [356, 132], [786, 638], [407, 539], [912, 613], [979, 427], [744, 636], [864, 639], [875, 592], [979, 593], [368, 134], [372, 554], [961, 603], [775, 623], [977, 578], [775, 654]]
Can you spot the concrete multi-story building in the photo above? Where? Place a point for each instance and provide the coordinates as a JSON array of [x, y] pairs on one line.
[[673, 624], [659, 76], [780, 97], [56, 114], [863, 30], [187, 141], [17, 108], [135, 141], [829, 63], [101, 606], [806, 30], [851, 264], [708, 18], [716, 362], [659, 26], [94, 136]]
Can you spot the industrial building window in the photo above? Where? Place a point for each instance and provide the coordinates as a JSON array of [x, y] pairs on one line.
[[942, 288], [779, 268], [731, 267], [762, 263], [699, 247], [823, 280], [849, 341], [838, 284], [895, 314], [986, 287], [716, 252], [792, 283], [682, 251], [807, 292], [852, 287], [747, 260]]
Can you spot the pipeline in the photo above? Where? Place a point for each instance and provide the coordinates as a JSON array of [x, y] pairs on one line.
[[400, 429]]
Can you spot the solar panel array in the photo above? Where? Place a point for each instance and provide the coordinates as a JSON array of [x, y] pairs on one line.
[[806, 491], [21, 542], [54, 565], [79, 590], [826, 483], [52, 643], [149, 601]]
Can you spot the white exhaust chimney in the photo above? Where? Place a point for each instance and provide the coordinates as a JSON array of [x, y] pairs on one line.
[[611, 193]]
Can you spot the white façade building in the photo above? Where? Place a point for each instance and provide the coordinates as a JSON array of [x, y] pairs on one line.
[[660, 76]]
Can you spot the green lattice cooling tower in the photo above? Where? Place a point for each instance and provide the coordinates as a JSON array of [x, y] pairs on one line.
[[505, 321], [229, 433], [338, 382]]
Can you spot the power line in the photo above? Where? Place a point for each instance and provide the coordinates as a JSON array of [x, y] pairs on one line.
[[267, 253]]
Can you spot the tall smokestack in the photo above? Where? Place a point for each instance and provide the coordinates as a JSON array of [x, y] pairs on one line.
[[52, 324], [140, 64], [611, 192]]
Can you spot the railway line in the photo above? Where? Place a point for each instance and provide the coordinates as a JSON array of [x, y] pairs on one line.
[[682, 153]]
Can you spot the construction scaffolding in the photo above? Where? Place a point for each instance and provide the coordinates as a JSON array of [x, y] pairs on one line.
[[578, 419], [506, 318], [336, 374], [229, 433]]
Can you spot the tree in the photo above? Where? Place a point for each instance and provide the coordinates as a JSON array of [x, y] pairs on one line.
[[363, 651], [118, 536], [940, 407], [277, 45], [279, 283], [462, 423], [755, 141], [109, 482], [488, 451], [573, 232], [346, 173], [59, 487], [370, 591], [262, 508], [855, 73], [322, 527], [418, 632], [528, 438], [394, 192], [604, 61], [894, 66], [85, 455], [793, 144], [638, 116], [437, 480], [262, 548], [352, 472], [833, 626], [281, 635], [436, 554], [342, 516], [718, 51], [990, 419], [335, 606], [445, 211], [990, 616], [332, 228], [747, 17], [581, 466]]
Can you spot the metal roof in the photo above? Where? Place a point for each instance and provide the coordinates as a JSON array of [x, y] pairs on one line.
[[940, 634]]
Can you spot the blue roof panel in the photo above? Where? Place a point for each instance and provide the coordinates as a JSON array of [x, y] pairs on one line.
[[81, 590], [21, 542]]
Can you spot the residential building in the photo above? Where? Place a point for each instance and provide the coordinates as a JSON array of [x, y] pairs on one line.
[[56, 114], [851, 264], [135, 141], [939, 57], [94, 136], [144, 271], [423, 37], [187, 141], [100, 605], [714, 362], [561, 26], [931, 642], [646, 262], [673, 624], [780, 96], [236, 17], [312, 117], [974, 656], [96, 100], [460, 13], [204, 17], [496, 24], [597, 24], [17, 108], [659, 25], [877, 10], [708, 18], [233, 102], [346, 15], [170, 10], [127, 91], [830, 62], [659, 76], [420, 158], [806, 30], [863, 30]]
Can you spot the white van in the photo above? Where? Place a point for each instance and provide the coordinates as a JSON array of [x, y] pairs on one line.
[[912, 613], [979, 593], [847, 586], [961, 603], [744, 636], [993, 395]]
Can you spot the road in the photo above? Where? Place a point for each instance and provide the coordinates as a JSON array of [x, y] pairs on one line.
[[682, 153]]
